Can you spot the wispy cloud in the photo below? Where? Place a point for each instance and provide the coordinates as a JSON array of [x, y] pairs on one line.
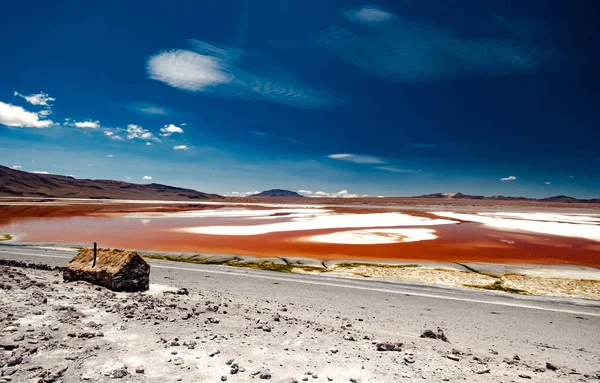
[[16, 167], [151, 109], [368, 15], [181, 147], [146, 177], [167, 130], [86, 124], [547, 183], [302, 191], [230, 72], [288, 139], [40, 99], [137, 132], [39, 172], [393, 169], [357, 158], [408, 51], [509, 178], [16, 116], [110, 156]]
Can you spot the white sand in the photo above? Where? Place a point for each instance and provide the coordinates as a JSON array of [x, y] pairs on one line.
[[576, 230], [375, 236], [324, 221]]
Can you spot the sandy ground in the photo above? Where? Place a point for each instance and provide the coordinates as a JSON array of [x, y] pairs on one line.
[[562, 286], [56, 332]]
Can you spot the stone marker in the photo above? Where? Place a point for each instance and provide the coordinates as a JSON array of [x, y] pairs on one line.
[[118, 270]]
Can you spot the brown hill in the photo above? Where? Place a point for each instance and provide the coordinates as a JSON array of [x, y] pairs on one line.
[[16, 183]]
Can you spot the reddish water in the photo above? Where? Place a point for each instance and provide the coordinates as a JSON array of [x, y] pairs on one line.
[[465, 242]]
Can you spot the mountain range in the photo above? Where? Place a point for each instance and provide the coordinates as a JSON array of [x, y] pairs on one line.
[[16, 183]]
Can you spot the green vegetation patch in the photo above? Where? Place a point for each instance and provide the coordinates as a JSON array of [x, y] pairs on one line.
[[383, 266], [6, 237], [261, 265], [498, 286]]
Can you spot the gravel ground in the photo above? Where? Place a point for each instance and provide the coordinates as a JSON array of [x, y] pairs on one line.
[[56, 332]]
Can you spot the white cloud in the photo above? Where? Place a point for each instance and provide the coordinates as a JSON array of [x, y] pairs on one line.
[[547, 183], [148, 143], [305, 191], [113, 136], [16, 167], [110, 155], [12, 115], [181, 147], [167, 130], [187, 70], [136, 131], [128, 178], [39, 172], [87, 124], [367, 15], [510, 178], [146, 178], [41, 99], [357, 158], [229, 72], [44, 113], [393, 169]]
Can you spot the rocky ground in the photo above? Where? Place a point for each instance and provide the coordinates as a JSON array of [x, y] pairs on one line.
[[56, 332]]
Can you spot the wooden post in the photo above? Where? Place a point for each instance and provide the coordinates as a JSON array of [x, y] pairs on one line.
[[94, 264]]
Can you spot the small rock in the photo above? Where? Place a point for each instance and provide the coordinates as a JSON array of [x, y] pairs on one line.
[[389, 346], [178, 361], [481, 372], [139, 370], [453, 357], [524, 376], [551, 367], [223, 378]]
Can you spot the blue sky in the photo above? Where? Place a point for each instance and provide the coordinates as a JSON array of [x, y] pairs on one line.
[[341, 97]]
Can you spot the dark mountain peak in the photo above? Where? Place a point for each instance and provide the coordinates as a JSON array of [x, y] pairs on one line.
[[277, 193]]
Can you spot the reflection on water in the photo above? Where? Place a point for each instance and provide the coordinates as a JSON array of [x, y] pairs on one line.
[[147, 230]]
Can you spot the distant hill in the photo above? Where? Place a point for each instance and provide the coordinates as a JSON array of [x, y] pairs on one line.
[[277, 193], [16, 183], [558, 198]]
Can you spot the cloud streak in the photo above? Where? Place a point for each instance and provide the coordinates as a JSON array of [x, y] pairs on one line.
[[152, 110], [357, 158], [288, 139], [393, 169], [509, 178], [232, 73], [367, 15], [404, 50]]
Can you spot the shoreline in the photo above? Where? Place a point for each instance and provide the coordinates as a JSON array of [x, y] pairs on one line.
[[558, 280]]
